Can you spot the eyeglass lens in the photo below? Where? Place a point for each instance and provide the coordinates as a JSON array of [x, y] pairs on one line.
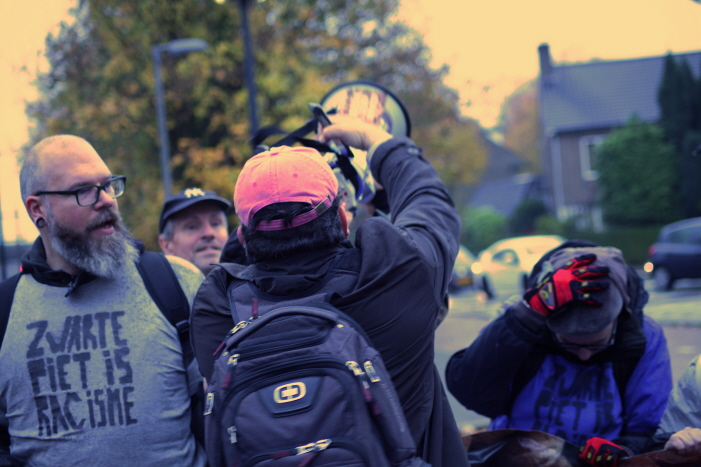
[[89, 195]]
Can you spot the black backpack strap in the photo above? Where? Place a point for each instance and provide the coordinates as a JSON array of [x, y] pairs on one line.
[[7, 295], [165, 290]]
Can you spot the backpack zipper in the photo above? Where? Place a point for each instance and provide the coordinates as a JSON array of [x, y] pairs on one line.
[[321, 445], [256, 353]]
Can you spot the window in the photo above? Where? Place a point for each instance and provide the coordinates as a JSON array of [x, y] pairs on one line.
[[587, 148], [507, 257], [683, 235]]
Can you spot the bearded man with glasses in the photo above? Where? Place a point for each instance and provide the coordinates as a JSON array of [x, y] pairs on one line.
[[91, 371], [575, 357]]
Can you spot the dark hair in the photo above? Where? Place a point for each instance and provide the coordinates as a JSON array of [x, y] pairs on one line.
[[325, 231]]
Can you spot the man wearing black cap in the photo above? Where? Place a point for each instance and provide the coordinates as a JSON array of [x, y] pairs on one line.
[[576, 357], [193, 226]]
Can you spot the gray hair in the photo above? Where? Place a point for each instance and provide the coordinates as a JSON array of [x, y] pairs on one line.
[[168, 230], [32, 177]]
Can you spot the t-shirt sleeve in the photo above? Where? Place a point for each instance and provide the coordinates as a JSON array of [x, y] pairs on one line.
[[189, 276]]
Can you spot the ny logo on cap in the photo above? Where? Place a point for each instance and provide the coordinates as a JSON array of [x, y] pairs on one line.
[[290, 392], [190, 192]]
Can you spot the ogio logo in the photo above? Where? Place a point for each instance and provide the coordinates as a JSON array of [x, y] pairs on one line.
[[190, 192], [290, 392]]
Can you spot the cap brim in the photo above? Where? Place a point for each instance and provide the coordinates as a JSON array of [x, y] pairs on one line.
[[224, 204]]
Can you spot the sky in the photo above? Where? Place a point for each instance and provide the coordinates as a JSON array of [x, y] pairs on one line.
[[490, 46]]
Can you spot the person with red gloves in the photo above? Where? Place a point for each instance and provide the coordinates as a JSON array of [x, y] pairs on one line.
[[575, 357]]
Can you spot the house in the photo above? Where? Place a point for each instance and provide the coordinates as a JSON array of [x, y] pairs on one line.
[[579, 105], [503, 185]]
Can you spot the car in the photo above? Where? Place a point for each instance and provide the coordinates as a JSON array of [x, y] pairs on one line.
[[462, 277], [503, 268], [676, 254]]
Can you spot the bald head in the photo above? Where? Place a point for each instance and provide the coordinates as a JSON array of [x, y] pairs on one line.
[[49, 156]]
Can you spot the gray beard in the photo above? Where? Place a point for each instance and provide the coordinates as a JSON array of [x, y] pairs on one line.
[[104, 256]]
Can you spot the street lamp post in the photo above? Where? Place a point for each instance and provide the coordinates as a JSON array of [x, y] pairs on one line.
[[248, 67], [177, 47]]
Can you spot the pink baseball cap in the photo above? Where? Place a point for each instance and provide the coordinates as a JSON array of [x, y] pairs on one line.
[[280, 175]]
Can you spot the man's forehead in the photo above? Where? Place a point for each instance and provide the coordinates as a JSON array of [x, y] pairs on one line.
[[71, 158]]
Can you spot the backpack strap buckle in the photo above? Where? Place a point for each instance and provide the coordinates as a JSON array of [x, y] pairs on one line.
[[313, 447]]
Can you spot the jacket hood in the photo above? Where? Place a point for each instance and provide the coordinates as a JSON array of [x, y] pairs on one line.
[[291, 275], [630, 336], [635, 295], [34, 263]]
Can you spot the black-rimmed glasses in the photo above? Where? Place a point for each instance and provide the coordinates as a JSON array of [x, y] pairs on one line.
[[590, 347], [88, 195]]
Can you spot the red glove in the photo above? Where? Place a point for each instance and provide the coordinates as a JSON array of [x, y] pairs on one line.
[[570, 283], [600, 452]]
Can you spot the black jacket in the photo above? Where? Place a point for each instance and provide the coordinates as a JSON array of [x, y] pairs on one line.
[[403, 269]]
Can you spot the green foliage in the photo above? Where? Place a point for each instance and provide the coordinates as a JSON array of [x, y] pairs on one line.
[[549, 225], [637, 176], [690, 165], [519, 122], [679, 98], [481, 227], [633, 241], [523, 219], [676, 97], [455, 148], [101, 86]]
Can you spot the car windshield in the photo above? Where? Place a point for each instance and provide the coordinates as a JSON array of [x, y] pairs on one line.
[[540, 248]]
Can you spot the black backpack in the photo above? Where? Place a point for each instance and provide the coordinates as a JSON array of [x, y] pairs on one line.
[[297, 382], [165, 290]]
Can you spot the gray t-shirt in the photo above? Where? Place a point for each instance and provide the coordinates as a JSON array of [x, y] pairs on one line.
[[97, 378]]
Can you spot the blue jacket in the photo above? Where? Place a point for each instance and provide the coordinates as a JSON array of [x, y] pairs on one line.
[[564, 396]]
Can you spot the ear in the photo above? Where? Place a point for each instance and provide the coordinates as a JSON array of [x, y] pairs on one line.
[[165, 245], [346, 218], [35, 207], [239, 234]]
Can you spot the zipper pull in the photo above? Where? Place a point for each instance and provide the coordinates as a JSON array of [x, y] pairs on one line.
[[209, 404], [354, 367], [240, 325], [232, 434], [370, 370], [233, 360]]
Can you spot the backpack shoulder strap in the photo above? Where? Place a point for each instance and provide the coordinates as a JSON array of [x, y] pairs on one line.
[[7, 295], [165, 290]]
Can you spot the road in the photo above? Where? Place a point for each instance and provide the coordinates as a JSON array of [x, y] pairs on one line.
[[679, 312]]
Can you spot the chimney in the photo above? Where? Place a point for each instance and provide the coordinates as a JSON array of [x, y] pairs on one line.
[[546, 66]]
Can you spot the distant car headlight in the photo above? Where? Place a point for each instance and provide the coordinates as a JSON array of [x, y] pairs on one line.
[[648, 267], [476, 268]]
